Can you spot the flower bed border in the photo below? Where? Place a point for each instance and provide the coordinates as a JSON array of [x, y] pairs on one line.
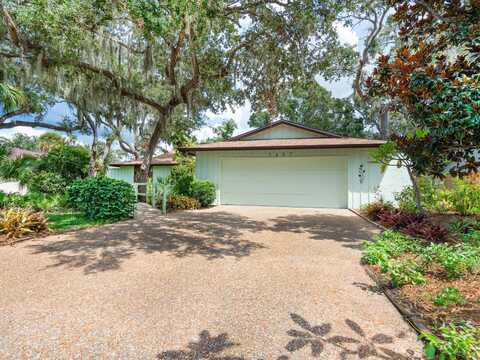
[[415, 320]]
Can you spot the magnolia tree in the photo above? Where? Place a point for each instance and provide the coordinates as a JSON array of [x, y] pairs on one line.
[[433, 77], [172, 60]]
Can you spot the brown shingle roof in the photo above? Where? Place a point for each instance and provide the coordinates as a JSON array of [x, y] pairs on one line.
[[310, 143], [164, 159], [16, 153]]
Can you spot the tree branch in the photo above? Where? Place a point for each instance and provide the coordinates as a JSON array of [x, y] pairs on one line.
[[34, 124]]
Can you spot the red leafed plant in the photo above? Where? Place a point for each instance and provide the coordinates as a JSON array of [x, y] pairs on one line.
[[398, 219], [427, 230]]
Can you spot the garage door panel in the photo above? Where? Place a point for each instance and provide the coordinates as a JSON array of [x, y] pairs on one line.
[[296, 182]]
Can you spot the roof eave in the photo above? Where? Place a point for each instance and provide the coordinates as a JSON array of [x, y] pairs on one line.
[[279, 147]]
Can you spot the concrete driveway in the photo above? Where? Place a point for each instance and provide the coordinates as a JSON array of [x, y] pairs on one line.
[[224, 283]]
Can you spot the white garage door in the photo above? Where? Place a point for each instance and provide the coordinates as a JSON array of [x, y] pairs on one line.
[[294, 182]]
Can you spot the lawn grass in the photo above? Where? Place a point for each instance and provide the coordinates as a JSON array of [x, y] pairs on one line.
[[70, 221]]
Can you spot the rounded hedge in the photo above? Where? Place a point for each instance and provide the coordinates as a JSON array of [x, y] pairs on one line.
[[102, 198], [203, 191]]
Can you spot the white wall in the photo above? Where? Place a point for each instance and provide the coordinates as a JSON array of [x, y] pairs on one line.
[[361, 190], [10, 187]]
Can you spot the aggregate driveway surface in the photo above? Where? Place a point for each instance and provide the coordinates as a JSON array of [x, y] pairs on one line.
[[224, 283]]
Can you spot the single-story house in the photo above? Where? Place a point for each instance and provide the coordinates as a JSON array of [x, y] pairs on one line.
[[129, 170], [287, 164], [9, 186]]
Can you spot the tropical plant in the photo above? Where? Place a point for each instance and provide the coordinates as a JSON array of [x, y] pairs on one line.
[[181, 202], [102, 198], [164, 188], [374, 209], [16, 223], [465, 197], [454, 341]]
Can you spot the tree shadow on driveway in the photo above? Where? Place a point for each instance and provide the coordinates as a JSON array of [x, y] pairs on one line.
[[348, 230], [213, 235]]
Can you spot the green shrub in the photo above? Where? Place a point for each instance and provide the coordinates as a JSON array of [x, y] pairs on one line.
[[102, 198], [455, 260], [181, 202], [47, 182], [449, 296], [69, 162], [403, 272], [3, 199], [465, 197], [453, 342], [434, 196], [182, 177], [388, 245], [204, 192]]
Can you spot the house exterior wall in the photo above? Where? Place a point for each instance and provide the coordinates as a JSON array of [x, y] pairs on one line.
[[283, 132], [126, 173], [12, 187], [365, 181]]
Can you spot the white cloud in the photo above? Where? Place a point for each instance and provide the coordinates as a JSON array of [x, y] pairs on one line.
[[346, 34], [9, 133]]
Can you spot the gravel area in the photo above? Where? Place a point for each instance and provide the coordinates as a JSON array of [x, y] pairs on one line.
[[223, 283]]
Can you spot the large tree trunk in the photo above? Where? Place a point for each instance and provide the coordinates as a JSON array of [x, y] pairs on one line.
[[92, 166], [384, 123]]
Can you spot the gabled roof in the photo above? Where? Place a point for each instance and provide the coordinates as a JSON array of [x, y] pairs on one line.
[[312, 143], [164, 159], [288, 123], [327, 140]]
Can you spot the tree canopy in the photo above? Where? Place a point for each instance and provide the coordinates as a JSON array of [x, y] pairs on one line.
[[175, 58]]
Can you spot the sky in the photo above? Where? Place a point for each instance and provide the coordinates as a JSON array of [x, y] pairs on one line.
[[240, 115]]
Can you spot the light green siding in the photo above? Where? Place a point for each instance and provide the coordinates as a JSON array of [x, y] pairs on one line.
[[124, 173], [248, 177], [160, 172], [283, 132]]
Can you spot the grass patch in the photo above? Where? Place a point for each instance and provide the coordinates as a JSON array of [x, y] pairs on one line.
[[71, 221]]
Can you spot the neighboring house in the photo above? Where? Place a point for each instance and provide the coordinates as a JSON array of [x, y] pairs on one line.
[[129, 170], [12, 186], [287, 164]]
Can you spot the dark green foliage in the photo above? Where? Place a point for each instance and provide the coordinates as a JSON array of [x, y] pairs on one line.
[[47, 182], [182, 177], [184, 184], [70, 162], [449, 296], [181, 202], [102, 198], [204, 192]]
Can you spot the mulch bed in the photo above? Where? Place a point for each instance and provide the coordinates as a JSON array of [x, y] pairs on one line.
[[415, 302]]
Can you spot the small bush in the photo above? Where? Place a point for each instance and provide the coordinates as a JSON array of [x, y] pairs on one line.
[[182, 177], [465, 197], [16, 223], [204, 192], [181, 202], [453, 342], [449, 296], [102, 198], [455, 260], [398, 219], [464, 226], [388, 245], [67, 161], [47, 182], [403, 272], [425, 229], [373, 210], [434, 196]]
